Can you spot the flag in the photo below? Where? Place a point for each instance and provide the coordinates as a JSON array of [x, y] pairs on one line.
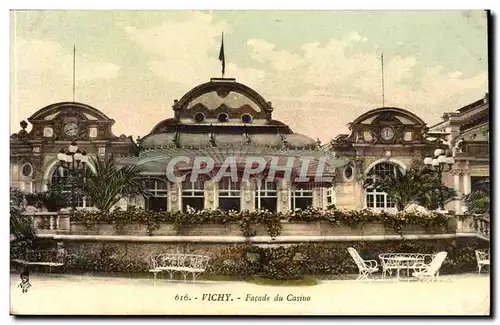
[[222, 57]]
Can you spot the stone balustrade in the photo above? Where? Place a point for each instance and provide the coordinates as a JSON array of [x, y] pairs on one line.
[[50, 222], [475, 224], [60, 223]]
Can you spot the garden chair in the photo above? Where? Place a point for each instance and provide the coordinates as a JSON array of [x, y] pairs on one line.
[[366, 268], [429, 272], [153, 269], [483, 258]]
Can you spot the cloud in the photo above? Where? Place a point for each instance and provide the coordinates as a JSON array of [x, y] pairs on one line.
[[338, 85], [43, 74], [182, 49], [263, 52], [316, 89], [37, 57]]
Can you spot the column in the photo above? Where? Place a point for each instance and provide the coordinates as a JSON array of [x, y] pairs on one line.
[[456, 186], [174, 197], [247, 196], [283, 195], [318, 197], [466, 183], [211, 197]]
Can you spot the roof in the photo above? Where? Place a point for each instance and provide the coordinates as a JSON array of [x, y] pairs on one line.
[[223, 112]]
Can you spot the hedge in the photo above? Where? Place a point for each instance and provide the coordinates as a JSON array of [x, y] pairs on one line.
[[276, 262]]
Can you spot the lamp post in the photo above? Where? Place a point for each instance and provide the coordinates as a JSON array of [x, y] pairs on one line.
[[74, 162], [440, 163]]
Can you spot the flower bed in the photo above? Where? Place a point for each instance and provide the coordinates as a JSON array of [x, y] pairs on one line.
[[303, 222]]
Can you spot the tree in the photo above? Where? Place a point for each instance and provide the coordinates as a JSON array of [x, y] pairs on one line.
[[21, 226], [478, 201], [111, 182], [420, 186]]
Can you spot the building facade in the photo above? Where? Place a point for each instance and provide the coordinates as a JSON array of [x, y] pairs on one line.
[[467, 134], [33, 154], [223, 118]]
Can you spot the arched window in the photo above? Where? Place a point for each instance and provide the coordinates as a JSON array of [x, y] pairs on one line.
[[266, 195], [158, 194], [375, 198], [302, 196], [229, 195], [60, 179], [193, 194]]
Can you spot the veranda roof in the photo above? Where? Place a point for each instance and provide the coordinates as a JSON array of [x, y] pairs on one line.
[[155, 161]]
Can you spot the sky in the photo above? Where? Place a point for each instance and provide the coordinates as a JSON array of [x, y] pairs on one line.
[[320, 69]]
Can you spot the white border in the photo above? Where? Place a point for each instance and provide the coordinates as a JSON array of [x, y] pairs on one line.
[[189, 4]]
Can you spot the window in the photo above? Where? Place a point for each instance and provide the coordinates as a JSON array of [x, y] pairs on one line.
[[348, 173], [302, 197], [330, 198], [199, 117], [246, 118], [27, 170], [60, 178], [222, 117], [229, 195], [266, 196], [193, 194], [158, 193], [376, 199]]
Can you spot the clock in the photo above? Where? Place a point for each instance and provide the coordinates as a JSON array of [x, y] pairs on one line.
[[71, 129], [387, 133]]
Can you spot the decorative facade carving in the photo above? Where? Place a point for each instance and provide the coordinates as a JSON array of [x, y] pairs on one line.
[[62, 122]]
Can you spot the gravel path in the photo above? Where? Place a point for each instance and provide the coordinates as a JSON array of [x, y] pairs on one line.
[[466, 294]]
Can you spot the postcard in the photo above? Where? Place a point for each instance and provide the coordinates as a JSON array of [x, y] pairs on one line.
[[249, 163]]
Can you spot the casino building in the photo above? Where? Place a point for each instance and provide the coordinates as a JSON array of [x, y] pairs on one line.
[[223, 118], [218, 119]]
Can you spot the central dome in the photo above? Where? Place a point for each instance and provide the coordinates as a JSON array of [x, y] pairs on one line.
[[222, 97], [223, 112]]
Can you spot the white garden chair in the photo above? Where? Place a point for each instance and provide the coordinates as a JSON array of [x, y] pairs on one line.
[[483, 258], [429, 272], [366, 268]]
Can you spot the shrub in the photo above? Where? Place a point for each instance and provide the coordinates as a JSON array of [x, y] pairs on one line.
[[280, 262]]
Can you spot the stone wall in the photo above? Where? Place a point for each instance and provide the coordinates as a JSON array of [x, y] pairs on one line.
[[296, 228]]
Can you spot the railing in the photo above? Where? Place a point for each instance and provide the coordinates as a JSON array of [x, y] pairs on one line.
[[54, 223], [482, 225], [476, 224], [50, 222]]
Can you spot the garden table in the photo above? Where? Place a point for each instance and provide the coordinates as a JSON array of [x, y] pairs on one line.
[[404, 262]]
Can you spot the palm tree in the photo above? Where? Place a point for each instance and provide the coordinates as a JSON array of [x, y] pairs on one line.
[[111, 182], [21, 226], [415, 186], [478, 201]]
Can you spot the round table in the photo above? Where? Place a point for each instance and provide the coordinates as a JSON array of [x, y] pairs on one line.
[[404, 262]]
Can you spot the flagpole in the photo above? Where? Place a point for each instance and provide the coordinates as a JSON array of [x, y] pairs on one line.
[[383, 90], [222, 57], [74, 54]]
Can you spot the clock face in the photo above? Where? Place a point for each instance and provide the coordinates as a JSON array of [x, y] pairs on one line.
[[387, 133], [71, 129]]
